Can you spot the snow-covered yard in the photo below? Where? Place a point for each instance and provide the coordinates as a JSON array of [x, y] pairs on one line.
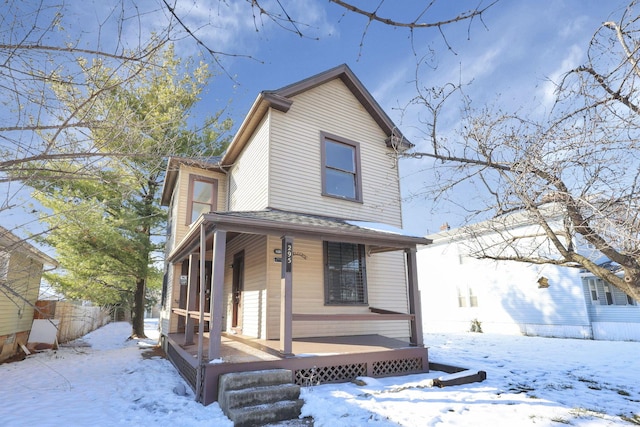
[[531, 381]]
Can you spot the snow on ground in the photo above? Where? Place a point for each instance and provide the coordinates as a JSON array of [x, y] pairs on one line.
[[104, 380]]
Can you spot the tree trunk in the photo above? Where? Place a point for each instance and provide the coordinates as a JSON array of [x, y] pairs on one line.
[[137, 319]]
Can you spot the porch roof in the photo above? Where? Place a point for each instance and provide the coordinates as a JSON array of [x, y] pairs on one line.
[[379, 238]]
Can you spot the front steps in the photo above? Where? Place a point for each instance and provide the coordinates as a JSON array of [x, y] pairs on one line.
[[258, 398]]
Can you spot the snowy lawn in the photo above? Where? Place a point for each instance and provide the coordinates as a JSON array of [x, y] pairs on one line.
[[530, 381]]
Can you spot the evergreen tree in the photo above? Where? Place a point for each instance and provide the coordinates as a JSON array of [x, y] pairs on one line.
[[104, 215]]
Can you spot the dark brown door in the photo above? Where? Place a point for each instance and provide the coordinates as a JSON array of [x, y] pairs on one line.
[[237, 287]]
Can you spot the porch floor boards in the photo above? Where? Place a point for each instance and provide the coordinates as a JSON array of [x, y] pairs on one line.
[[242, 349]]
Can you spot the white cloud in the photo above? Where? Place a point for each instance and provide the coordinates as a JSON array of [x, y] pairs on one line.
[[572, 58]]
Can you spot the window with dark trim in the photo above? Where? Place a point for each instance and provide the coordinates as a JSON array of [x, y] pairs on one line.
[[341, 168], [344, 274], [203, 196]]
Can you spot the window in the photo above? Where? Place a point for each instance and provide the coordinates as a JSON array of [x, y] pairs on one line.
[[593, 291], [203, 194], [341, 168], [603, 293], [473, 299], [344, 274], [607, 294], [4, 265], [466, 297], [462, 298]]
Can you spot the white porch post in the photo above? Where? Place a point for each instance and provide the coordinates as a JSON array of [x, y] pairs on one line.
[[192, 288], [286, 296], [217, 289], [414, 298]]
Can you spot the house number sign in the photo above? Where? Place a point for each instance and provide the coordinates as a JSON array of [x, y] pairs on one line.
[[289, 255]]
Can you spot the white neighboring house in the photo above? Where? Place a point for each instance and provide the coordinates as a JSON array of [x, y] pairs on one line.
[[512, 297]]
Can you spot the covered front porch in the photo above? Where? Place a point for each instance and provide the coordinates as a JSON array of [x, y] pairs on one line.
[[313, 360], [203, 347]]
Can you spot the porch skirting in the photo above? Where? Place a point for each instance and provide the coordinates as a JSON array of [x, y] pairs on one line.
[[307, 369]]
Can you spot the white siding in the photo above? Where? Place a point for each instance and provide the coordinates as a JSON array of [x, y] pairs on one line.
[[509, 300], [616, 331], [386, 289], [296, 170], [249, 175]]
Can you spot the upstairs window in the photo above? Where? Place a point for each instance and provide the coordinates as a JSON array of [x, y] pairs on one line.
[[344, 274], [203, 194], [4, 265], [341, 168]]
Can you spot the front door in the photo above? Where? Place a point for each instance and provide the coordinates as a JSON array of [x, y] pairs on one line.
[[237, 287]]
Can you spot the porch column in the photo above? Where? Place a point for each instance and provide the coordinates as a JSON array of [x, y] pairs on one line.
[[414, 298], [192, 288], [286, 296], [217, 290]]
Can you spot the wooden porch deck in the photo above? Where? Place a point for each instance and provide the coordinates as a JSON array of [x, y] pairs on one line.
[[314, 360]]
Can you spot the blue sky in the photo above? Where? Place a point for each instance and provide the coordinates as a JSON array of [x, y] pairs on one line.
[[510, 55]]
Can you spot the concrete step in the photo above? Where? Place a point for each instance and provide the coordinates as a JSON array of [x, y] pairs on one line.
[[259, 415], [261, 395], [240, 380], [297, 422]]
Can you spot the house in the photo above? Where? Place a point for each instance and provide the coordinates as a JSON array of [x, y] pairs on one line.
[[21, 267], [510, 297], [295, 234]]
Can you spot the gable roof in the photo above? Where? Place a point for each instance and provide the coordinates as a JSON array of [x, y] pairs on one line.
[[10, 242], [280, 100], [173, 166]]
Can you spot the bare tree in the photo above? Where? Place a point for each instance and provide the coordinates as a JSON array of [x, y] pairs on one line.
[[42, 47], [574, 174], [48, 50]]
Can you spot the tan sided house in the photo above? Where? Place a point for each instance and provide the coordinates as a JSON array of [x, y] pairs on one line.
[[288, 251], [21, 267]]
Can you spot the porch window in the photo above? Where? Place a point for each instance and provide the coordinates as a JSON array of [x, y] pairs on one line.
[[341, 168], [203, 194], [345, 274]]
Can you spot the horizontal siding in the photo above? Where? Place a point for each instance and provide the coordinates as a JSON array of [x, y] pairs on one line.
[[616, 331], [248, 186], [296, 157], [308, 293], [23, 278], [181, 195], [253, 303], [507, 292], [168, 323]]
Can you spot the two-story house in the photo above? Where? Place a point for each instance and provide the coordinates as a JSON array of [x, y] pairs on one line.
[[288, 250]]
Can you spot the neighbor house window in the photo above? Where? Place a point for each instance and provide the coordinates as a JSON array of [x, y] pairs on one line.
[[341, 168], [466, 297], [344, 274], [603, 293], [593, 290], [607, 294], [203, 194], [462, 297]]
